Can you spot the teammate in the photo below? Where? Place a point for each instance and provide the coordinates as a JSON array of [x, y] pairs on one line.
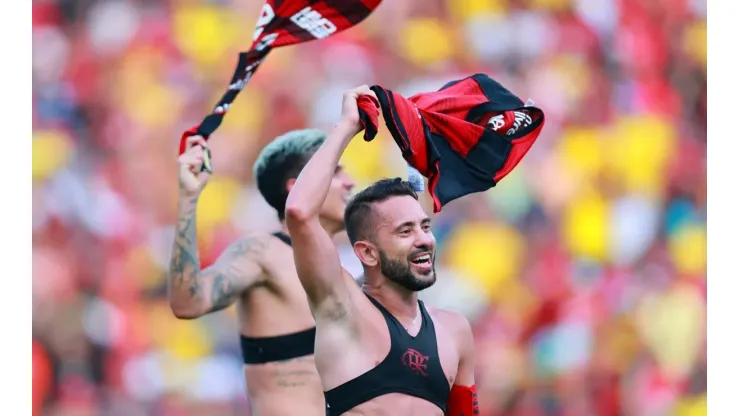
[[379, 350], [258, 273]]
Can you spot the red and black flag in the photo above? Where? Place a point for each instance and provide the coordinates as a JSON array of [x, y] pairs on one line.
[[464, 138], [283, 23]]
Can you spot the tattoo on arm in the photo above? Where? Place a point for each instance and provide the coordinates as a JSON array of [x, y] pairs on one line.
[[218, 286], [185, 264], [225, 289], [230, 280], [222, 294]]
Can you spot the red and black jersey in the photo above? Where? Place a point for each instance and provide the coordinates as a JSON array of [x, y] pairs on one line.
[[464, 138], [283, 23]]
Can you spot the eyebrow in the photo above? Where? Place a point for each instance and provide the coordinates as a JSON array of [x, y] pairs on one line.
[[425, 221], [404, 225]]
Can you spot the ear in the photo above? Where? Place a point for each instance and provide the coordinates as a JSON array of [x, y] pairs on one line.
[[367, 253], [289, 184]]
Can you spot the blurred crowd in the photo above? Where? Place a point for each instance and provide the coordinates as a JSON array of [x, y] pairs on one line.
[[583, 272]]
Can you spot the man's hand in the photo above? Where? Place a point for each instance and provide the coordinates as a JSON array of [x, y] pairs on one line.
[[192, 180], [350, 114]]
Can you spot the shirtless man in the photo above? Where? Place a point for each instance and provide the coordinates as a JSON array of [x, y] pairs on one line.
[[379, 350], [257, 272]]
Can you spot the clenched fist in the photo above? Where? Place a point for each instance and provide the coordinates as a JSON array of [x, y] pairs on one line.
[[350, 114], [192, 177]]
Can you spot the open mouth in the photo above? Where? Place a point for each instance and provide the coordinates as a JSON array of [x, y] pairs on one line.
[[423, 261]]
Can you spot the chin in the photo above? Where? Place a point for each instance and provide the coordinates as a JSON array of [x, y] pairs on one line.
[[430, 278], [423, 273], [422, 281]]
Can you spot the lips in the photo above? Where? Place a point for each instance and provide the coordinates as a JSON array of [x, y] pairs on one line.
[[423, 261]]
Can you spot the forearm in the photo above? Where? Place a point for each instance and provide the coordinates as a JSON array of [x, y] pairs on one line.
[[183, 287], [312, 185]]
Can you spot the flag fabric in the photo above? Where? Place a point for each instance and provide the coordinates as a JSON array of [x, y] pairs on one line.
[[464, 138], [283, 23]]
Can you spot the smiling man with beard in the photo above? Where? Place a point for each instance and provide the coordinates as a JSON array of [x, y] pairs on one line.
[[379, 350], [404, 263]]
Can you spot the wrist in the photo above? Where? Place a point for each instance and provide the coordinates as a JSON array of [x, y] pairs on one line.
[[347, 128]]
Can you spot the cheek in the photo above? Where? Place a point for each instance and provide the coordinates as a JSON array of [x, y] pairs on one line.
[[400, 250], [332, 195], [336, 189]]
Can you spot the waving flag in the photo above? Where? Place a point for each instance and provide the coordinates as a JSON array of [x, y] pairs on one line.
[[283, 23]]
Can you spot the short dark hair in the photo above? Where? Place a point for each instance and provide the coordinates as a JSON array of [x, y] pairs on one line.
[[357, 215], [283, 159]]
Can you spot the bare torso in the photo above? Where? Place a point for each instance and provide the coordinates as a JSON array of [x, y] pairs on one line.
[[285, 388], [272, 309], [396, 404], [351, 346]]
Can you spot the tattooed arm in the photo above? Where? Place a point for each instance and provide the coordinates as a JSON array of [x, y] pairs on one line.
[[194, 292]]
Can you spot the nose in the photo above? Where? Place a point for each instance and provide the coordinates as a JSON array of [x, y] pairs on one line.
[[347, 181], [425, 240]]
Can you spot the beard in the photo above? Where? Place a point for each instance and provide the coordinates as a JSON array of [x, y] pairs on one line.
[[399, 272]]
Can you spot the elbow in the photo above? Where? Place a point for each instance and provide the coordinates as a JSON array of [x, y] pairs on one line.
[[184, 312], [296, 213], [302, 205]]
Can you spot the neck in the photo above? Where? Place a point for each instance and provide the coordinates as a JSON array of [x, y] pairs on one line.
[[401, 302], [284, 228], [331, 227]]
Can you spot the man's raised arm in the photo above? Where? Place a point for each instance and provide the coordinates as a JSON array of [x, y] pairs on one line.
[[193, 292], [316, 258]]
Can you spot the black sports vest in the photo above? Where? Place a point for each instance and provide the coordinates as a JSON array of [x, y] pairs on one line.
[[284, 347], [412, 367]]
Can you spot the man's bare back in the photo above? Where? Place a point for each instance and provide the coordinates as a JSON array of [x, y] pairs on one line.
[[258, 274]]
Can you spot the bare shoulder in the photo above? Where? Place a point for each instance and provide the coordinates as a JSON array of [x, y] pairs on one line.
[[243, 261], [457, 327], [237, 270], [250, 244], [261, 247], [453, 322]]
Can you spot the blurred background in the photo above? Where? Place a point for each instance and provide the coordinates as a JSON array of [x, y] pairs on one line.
[[583, 272]]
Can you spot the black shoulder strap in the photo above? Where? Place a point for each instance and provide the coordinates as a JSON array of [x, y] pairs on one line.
[[427, 319], [284, 238]]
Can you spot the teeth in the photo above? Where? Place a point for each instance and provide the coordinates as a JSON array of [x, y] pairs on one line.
[[422, 258]]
